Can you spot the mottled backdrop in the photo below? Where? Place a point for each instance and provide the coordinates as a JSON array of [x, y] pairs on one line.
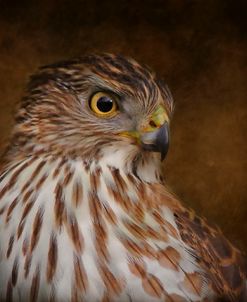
[[198, 47]]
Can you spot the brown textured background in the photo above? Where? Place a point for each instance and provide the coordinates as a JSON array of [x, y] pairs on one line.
[[198, 47]]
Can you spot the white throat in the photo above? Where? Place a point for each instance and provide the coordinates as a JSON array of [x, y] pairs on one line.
[[146, 166]]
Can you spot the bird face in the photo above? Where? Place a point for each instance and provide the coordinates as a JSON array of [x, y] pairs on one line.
[[81, 107]]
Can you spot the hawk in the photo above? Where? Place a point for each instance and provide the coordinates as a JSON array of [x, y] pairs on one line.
[[84, 211]]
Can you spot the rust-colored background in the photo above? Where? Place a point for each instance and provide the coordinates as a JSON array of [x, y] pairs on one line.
[[198, 47]]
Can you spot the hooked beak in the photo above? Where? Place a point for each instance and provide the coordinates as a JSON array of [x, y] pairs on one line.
[[156, 141], [153, 136]]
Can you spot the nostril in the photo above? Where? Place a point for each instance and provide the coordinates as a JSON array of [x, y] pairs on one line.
[[152, 124]]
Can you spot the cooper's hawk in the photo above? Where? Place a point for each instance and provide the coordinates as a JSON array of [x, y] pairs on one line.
[[84, 212]]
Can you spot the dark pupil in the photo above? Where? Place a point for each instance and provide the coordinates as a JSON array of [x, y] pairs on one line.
[[104, 104]]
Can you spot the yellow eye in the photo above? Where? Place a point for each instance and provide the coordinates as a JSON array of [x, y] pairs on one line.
[[103, 104]]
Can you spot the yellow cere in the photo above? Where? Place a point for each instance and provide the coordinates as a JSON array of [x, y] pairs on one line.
[[158, 118], [103, 104]]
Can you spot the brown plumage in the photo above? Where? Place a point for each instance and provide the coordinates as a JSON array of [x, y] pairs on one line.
[[84, 211]]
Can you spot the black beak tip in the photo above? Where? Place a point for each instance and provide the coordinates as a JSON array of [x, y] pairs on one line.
[[163, 155], [161, 143]]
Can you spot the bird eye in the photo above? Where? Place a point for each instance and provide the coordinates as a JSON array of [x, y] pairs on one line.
[[103, 104]]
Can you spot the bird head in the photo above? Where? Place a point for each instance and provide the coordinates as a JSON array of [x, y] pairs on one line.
[[95, 105]]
